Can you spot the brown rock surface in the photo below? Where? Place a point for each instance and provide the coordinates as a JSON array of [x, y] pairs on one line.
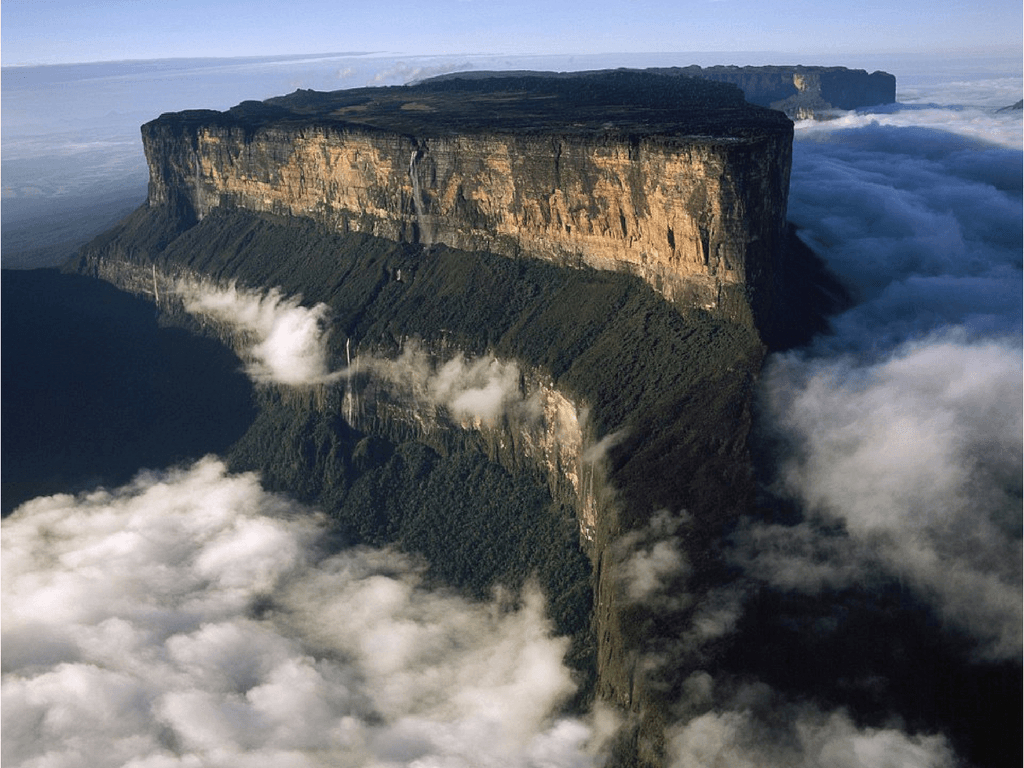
[[678, 181]]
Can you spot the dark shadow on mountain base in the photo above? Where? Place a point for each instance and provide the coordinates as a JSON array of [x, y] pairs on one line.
[[807, 294], [47, 232], [94, 390], [875, 650]]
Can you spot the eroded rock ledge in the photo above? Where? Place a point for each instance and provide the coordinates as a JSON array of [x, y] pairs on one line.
[[677, 180]]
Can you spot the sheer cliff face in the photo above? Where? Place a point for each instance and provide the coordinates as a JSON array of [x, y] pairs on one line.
[[699, 218], [803, 92]]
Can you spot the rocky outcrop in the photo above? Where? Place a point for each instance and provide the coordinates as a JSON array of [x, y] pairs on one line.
[[804, 92], [801, 92], [683, 185], [629, 407]]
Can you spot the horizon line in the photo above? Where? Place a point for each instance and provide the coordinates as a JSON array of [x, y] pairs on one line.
[[1007, 50]]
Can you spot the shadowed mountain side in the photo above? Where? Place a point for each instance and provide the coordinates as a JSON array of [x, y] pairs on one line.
[[677, 389], [94, 389], [678, 385]]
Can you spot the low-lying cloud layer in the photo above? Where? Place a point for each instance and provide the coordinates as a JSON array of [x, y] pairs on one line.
[[190, 619], [921, 224], [905, 424], [919, 457], [756, 728]]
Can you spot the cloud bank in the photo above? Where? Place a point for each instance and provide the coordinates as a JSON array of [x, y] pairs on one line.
[[190, 619], [757, 729], [921, 224], [905, 424], [919, 457]]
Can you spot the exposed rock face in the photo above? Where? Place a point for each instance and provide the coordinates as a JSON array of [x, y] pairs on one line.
[[691, 199], [804, 92]]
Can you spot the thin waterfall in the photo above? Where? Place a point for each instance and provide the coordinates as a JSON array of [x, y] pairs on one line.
[[196, 194], [348, 381], [424, 234]]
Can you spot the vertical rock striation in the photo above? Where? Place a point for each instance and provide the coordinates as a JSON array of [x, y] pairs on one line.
[[691, 199]]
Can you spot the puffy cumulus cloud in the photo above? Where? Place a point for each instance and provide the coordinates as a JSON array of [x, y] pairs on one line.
[[482, 389], [919, 456], [757, 731], [648, 568], [652, 563], [190, 619], [285, 342]]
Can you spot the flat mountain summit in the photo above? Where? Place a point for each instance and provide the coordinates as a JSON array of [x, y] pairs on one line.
[[589, 103]]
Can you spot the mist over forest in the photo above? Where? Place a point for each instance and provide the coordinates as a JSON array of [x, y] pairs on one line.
[[889, 451]]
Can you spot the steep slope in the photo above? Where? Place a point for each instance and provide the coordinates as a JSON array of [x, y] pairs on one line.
[[675, 391]]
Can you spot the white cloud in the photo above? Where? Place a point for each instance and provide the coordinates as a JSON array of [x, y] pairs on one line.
[[922, 225], [905, 424], [739, 738], [919, 456], [973, 123], [186, 620], [483, 389], [652, 564], [286, 342]]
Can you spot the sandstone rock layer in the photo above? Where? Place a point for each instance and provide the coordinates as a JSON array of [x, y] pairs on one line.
[[690, 197]]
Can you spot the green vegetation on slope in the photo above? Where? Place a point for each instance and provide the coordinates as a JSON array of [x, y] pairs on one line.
[[674, 389]]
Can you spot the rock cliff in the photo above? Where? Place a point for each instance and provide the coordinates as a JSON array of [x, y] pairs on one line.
[[530, 220], [678, 181], [804, 92], [801, 92]]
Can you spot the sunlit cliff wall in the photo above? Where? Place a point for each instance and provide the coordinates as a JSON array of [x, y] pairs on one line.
[[700, 219]]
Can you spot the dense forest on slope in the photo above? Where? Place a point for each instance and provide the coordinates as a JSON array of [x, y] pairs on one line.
[[675, 389], [678, 385]]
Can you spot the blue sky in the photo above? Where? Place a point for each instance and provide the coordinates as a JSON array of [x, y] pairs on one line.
[[62, 31]]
